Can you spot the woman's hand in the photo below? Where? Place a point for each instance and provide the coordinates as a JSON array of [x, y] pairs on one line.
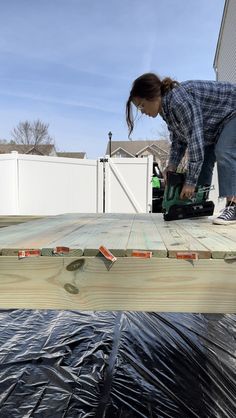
[[187, 191]]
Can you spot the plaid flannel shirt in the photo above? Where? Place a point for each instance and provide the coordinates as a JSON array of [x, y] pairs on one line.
[[195, 112]]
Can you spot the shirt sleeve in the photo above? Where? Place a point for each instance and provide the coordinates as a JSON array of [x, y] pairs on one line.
[[191, 125], [177, 150]]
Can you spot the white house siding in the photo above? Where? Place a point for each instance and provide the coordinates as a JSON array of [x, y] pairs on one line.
[[225, 58]]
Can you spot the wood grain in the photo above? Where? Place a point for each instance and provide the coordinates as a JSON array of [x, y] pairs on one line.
[[91, 283], [121, 234]]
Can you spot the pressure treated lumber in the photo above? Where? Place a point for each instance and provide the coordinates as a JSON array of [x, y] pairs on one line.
[[91, 283], [121, 233], [220, 244], [177, 240], [144, 236], [44, 233], [85, 280], [15, 219], [111, 231]]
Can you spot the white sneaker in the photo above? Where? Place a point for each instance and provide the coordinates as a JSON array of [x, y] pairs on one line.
[[227, 217]]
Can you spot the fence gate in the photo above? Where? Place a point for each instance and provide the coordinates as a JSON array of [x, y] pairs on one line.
[[128, 187]]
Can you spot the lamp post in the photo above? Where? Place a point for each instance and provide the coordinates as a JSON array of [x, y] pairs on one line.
[[110, 136]]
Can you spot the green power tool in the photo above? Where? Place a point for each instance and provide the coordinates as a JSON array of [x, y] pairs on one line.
[[175, 208]]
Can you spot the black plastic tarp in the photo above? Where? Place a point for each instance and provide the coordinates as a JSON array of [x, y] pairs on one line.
[[71, 364]]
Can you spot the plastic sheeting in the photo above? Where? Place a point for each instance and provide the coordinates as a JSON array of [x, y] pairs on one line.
[[69, 364]]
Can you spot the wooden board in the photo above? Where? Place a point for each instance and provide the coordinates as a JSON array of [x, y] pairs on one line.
[[177, 240], [16, 219], [45, 233], [144, 236], [162, 285], [218, 244], [121, 233]]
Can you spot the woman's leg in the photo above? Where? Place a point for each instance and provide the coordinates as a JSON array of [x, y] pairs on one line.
[[225, 151]]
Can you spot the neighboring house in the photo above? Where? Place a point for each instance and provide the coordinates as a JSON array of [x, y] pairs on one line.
[[225, 56], [81, 155], [138, 149], [44, 149]]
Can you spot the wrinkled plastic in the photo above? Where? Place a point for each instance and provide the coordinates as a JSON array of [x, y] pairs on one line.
[[70, 364]]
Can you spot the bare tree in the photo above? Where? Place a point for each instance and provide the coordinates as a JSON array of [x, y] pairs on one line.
[[32, 133]]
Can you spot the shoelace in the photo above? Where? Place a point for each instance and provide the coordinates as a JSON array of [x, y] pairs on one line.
[[227, 212]]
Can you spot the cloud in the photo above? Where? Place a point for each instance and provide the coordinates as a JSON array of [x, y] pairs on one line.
[[53, 100]]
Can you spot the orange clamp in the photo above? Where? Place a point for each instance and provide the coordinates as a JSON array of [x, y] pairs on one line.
[[107, 254], [61, 250], [187, 255], [141, 254], [28, 253]]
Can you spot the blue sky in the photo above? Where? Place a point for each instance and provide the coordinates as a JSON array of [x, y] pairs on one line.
[[71, 63]]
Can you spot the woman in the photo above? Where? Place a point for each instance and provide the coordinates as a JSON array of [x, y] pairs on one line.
[[201, 117]]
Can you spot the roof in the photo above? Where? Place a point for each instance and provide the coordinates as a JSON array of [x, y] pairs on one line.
[[44, 149], [220, 34], [134, 147], [72, 154]]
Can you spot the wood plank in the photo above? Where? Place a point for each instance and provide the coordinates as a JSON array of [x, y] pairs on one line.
[[228, 231], [16, 219], [145, 236], [161, 285], [88, 234], [48, 232], [177, 240], [112, 231], [121, 233], [77, 252], [219, 245], [77, 237]]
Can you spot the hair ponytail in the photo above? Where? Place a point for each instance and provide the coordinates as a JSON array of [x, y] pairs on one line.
[[148, 86], [168, 84], [129, 116]]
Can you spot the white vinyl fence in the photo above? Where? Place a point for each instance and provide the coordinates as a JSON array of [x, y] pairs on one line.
[[128, 185], [41, 185]]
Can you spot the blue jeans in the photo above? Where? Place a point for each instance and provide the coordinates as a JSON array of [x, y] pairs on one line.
[[224, 153]]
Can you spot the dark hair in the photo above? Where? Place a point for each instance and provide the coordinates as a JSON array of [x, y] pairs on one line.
[[147, 86]]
